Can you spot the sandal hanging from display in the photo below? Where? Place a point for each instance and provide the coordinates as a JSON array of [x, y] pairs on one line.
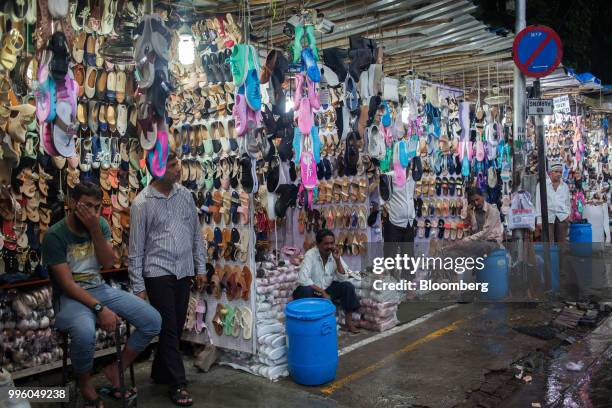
[[246, 322], [247, 277], [200, 322], [237, 324], [218, 319], [12, 43], [228, 320]]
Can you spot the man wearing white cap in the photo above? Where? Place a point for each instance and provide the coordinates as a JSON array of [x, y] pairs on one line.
[[559, 205]]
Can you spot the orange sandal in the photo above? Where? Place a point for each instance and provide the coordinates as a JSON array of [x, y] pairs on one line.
[[247, 277]]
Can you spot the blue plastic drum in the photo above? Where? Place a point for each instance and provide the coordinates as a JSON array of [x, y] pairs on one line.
[[581, 240], [312, 341], [495, 273]]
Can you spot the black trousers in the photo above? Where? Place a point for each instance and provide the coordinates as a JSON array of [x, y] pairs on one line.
[[342, 293], [170, 296], [393, 233], [398, 240]]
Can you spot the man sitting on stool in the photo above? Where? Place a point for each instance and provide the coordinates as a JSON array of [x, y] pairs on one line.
[[323, 268], [484, 219], [75, 250]]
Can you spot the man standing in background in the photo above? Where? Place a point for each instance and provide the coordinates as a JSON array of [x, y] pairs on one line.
[[559, 205], [398, 221], [166, 247]]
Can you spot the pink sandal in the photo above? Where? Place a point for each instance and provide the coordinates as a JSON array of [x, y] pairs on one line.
[[240, 115], [158, 156], [200, 323]]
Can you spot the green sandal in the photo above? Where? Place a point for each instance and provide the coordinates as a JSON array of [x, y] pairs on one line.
[[385, 164], [296, 47], [228, 320]]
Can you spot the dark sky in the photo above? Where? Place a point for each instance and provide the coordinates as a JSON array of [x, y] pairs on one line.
[[585, 28]]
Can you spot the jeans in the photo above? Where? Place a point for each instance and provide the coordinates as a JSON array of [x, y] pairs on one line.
[[80, 323], [339, 292], [170, 296]]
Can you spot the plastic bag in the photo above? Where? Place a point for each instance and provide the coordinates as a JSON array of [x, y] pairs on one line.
[[522, 212]]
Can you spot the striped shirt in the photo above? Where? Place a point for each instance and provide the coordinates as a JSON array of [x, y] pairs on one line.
[[165, 236]]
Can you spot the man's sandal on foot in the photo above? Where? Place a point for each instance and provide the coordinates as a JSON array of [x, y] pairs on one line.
[[181, 394], [115, 393], [345, 328], [92, 403]]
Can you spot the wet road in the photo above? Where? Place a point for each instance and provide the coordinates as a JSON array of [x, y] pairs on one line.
[[439, 354]]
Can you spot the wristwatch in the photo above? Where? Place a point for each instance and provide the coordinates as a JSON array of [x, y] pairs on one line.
[[97, 308]]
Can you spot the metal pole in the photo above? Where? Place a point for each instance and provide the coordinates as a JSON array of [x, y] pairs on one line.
[[518, 136], [539, 122], [519, 113], [148, 6]]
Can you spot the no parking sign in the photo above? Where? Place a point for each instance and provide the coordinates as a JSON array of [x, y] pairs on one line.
[[537, 51]]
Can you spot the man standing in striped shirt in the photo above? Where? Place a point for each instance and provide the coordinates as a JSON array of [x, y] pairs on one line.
[[166, 250]]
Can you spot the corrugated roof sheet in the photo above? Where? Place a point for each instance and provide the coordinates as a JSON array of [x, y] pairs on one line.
[[439, 40]]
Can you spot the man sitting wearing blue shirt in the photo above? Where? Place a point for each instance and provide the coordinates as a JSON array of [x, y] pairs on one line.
[[323, 268]]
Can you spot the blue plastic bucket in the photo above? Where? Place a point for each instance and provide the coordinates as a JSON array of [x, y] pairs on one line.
[[554, 264], [495, 273], [312, 341], [581, 240]]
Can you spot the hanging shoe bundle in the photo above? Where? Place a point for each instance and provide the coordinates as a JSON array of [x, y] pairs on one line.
[[56, 98], [304, 28], [246, 69], [151, 55]]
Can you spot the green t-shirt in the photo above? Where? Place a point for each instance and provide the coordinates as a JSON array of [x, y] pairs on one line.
[[61, 245]]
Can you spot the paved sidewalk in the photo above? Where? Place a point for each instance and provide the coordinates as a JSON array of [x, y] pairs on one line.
[[431, 363]]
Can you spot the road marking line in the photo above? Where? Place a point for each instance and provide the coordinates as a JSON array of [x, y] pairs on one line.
[[336, 385], [394, 330]]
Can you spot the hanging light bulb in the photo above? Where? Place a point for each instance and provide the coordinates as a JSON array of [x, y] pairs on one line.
[[405, 111], [288, 103], [186, 45]]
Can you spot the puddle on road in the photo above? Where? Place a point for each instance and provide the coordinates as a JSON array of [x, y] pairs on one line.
[[601, 386]]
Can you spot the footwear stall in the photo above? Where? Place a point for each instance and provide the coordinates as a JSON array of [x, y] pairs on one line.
[[283, 125], [72, 117], [96, 110], [576, 135]]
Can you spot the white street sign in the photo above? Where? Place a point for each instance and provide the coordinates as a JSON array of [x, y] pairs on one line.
[[562, 104], [539, 106]]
